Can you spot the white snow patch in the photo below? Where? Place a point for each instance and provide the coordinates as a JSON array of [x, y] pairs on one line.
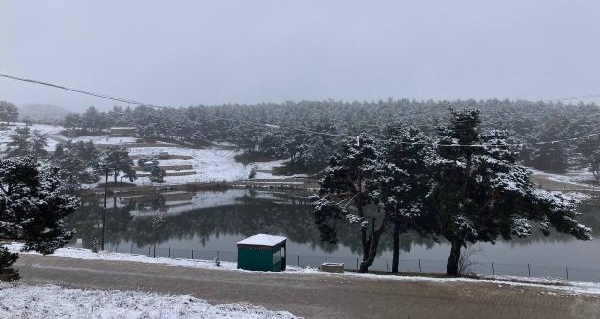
[[210, 164], [24, 301], [262, 240], [105, 139]]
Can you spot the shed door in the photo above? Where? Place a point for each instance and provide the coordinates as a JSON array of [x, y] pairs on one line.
[[276, 256]]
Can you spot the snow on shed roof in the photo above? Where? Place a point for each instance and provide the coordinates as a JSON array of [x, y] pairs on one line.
[[262, 240]]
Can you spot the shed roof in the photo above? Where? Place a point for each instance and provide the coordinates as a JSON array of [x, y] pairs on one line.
[[262, 240]]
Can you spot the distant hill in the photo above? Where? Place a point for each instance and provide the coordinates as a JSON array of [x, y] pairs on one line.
[[43, 113]]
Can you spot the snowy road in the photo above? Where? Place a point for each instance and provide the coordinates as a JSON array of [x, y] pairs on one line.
[[314, 296]]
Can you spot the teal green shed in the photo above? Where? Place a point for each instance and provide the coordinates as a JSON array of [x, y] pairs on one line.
[[262, 252]]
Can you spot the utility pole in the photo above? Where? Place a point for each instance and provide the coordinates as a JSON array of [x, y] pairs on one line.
[[104, 213]]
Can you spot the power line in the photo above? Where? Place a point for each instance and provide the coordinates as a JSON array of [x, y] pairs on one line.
[[102, 96], [273, 126], [560, 99]]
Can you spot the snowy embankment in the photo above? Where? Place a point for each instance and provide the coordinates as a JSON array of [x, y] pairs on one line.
[[575, 179], [104, 139], [569, 287], [24, 301], [213, 164]]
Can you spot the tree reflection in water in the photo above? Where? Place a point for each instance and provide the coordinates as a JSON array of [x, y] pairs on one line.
[[155, 218]]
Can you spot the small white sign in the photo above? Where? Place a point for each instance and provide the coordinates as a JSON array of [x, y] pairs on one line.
[[79, 240]]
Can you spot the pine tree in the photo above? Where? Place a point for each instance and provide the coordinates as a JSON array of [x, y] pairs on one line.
[[347, 191], [32, 207], [590, 152], [21, 142], [77, 163], [157, 174], [117, 160], [480, 193], [38, 143], [8, 112], [402, 183]]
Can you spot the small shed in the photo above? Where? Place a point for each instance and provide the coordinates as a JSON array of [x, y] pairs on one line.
[[123, 131], [262, 252]]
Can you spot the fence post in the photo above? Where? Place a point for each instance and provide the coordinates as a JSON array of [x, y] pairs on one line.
[[298, 260], [529, 269], [420, 270], [131, 251], [192, 254], [218, 253], [148, 251], [493, 271], [169, 252], [567, 270], [357, 263]]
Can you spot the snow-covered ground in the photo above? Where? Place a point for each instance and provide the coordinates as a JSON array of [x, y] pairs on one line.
[[105, 140], [580, 178], [213, 164], [210, 164], [49, 130], [24, 301], [569, 287]]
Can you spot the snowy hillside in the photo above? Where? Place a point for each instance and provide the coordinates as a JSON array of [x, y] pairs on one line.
[[216, 163], [50, 130]]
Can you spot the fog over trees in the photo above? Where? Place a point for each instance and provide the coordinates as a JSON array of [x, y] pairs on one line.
[[285, 130]]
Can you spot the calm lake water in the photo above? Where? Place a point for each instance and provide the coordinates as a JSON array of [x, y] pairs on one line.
[[212, 222]]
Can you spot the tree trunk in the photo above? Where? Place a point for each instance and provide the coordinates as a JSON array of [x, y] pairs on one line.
[[369, 255], [396, 249], [452, 266], [366, 244], [364, 267]]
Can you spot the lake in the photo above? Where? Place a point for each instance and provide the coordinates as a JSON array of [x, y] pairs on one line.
[[206, 224]]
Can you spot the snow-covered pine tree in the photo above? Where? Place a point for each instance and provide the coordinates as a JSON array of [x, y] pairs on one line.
[[157, 174], [117, 160], [589, 150], [347, 191], [480, 193], [20, 144], [38, 143], [77, 163], [402, 182], [32, 207], [8, 112]]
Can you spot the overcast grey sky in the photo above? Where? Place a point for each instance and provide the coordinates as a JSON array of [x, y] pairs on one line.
[[199, 52]]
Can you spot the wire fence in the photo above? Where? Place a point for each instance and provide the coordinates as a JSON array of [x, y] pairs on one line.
[[380, 264]]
